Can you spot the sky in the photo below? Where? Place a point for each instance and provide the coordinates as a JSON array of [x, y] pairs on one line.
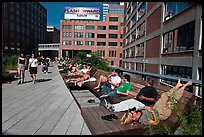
[[55, 10]]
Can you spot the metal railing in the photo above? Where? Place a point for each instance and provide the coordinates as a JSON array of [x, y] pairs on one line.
[[161, 76]]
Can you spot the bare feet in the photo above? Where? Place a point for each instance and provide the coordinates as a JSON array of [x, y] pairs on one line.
[[189, 83], [178, 85], [97, 87]]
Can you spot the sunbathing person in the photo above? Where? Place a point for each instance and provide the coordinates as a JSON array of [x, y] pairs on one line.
[[85, 69], [122, 90], [75, 70], [146, 97], [112, 81], [160, 111], [86, 76]]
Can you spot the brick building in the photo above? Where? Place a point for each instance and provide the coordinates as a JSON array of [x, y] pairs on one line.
[[103, 36], [164, 38]]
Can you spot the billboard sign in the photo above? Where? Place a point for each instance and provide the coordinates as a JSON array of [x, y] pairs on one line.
[[83, 13]]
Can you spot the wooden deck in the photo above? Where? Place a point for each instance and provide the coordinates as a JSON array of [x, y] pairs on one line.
[[44, 108], [98, 126]]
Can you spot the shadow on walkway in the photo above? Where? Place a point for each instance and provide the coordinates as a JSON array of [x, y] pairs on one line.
[[42, 80]]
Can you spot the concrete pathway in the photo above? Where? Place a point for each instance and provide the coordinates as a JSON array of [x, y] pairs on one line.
[[44, 108]]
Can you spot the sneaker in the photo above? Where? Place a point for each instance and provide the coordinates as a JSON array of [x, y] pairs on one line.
[[34, 82], [19, 82], [111, 109], [91, 101], [107, 105], [104, 96]]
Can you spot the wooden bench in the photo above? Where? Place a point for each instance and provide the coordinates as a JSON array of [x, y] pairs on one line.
[[97, 126], [91, 85]]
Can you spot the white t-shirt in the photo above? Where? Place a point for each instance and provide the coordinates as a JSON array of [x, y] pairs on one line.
[[115, 80], [85, 70], [33, 62]]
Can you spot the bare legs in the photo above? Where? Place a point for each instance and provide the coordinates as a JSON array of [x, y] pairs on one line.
[[101, 79], [183, 86], [189, 83], [178, 85], [19, 76]]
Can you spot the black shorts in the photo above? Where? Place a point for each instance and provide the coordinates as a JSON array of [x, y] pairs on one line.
[[33, 70]]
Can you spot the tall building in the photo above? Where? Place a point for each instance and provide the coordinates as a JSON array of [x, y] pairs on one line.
[[51, 47], [53, 34], [164, 38], [113, 8], [23, 27], [103, 36]]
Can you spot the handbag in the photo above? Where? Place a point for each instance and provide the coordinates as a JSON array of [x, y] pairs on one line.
[[30, 65]]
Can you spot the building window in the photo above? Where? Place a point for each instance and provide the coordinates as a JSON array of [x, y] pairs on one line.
[[176, 71], [101, 35], [78, 35], [113, 19], [134, 18], [121, 36], [142, 10], [120, 63], [139, 50], [89, 43], [89, 35], [90, 27], [173, 8], [67, 27], [113, 36], [63, 34], [63, 42], [112, 43], [101, 27], [70, 42], [141, 30], [133, 35], [70, 34], [180, 39], [112, 62], [101, 43], [121, 43], [66, 42], [112, 53], [132, 52], [101, 53], [113, 27], [78, 43], [78, 27], [134, 5]]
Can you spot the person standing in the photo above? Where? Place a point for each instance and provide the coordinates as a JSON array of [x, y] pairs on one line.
[[21, 68], [33, 67]]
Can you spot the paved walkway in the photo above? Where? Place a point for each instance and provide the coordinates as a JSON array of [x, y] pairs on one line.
[[44, 108]]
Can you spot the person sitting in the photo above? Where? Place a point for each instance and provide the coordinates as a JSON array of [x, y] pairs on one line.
[[137, 102], [84, 70], [148, 94], [122, 90], [86, 76], [160, 111], [113, 80], [74, 70]]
